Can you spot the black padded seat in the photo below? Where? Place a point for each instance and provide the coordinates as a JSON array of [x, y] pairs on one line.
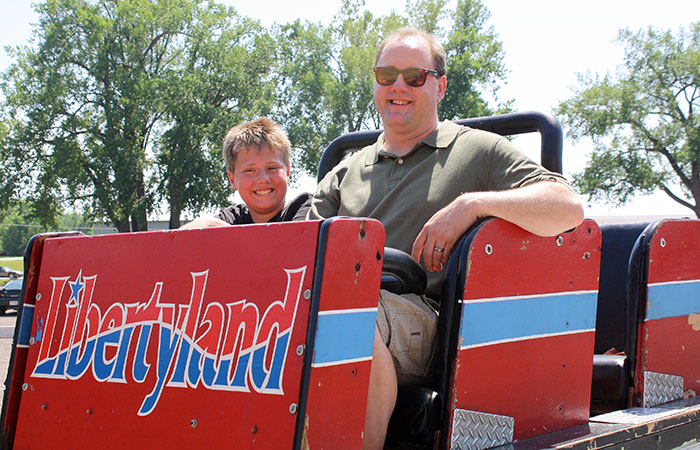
[[616, 316]]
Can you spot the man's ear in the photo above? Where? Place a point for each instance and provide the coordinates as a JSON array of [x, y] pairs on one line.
[[231, 179], [442, 87]]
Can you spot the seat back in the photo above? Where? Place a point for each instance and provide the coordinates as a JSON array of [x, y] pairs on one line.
[[504, 124], [523, 348], [614, 322], [264, 331], [668, 298]]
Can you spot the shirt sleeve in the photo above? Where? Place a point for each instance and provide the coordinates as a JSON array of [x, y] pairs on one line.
[[300, 206], [510, 168], [326, 202]]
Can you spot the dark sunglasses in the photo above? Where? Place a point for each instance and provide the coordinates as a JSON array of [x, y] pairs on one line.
[[413, 76]]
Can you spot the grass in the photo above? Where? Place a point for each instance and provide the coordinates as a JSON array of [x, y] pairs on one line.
[[14, 262]]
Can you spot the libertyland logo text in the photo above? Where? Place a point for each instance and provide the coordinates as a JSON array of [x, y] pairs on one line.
[[225, 346]]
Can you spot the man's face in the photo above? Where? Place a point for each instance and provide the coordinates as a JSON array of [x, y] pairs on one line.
[[261, 178], [404, 108]]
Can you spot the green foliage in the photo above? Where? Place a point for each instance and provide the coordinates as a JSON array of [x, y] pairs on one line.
[[223, 78], [644, 121], [17, 227], [474, 64], [16, 263], [326, 72], [118, 108], [327, 80], [111, 82]]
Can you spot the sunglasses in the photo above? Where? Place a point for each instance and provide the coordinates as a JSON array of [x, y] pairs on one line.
[[413, 76]]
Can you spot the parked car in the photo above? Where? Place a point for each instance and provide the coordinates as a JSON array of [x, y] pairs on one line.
[[9, 295], [7, 272]]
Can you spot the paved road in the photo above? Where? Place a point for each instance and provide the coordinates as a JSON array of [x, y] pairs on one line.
[[7, 327]]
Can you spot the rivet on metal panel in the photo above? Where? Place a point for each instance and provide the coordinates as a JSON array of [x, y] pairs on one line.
[[89, 411], [31, 340], [560, 241], [300, 349], [25, 386], [663, 242], [193, 423], [357, 267], [307, 294], [586, 256], [488, 249], [254, 429], [293, 408], [44, 407], [38, 296], [379, 256]]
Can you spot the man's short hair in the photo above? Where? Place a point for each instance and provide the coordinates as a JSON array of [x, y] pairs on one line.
[[436, 50], [255, 135]]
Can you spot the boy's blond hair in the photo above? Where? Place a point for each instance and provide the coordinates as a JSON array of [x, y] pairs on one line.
[[255, 135]]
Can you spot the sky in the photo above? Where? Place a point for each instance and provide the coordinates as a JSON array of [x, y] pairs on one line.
[[546, 44]]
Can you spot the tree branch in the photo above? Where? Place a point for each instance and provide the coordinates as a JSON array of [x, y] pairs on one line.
[[677, 198]]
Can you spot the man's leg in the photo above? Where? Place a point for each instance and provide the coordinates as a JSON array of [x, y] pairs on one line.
[[381, 396]]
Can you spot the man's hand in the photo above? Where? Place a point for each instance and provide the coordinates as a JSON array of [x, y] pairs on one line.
[[439, 235]]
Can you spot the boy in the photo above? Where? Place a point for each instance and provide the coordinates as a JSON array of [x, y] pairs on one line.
[[257, 163]]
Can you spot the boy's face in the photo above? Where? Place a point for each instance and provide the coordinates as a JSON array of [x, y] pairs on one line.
[[261, 178]]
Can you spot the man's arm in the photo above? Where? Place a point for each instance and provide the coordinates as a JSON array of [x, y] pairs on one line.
[[545, 208]]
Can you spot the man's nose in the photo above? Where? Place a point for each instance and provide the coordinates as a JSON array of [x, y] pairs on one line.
[[400, 83]]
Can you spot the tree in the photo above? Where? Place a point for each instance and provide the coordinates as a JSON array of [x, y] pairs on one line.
[[327, 71], [223, 78], [474, 64], [114, 87], [326, 78], [644, 121], [17, 228]]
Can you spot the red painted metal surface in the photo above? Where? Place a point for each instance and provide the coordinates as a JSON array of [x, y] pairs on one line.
[[542, 381], [19, 357], [337, 400], [669, 342], [152, 317]]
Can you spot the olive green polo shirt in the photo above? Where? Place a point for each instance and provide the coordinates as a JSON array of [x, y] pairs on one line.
[[404, 192]]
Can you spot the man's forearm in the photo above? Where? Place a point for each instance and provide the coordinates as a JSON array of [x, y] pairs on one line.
[[545, 208]]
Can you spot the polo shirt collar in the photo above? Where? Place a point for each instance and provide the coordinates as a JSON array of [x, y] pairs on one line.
[[442, 137]]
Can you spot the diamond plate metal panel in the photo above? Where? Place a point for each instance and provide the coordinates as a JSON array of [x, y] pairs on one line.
[[661, 388], [472, 430]]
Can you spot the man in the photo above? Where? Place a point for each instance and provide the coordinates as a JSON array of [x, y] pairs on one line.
[[428, 182]]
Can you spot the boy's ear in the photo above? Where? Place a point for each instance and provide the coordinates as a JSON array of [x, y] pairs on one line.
[[288, 170], [231, 179]]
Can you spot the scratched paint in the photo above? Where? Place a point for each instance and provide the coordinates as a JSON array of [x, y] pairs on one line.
[[694, 321]]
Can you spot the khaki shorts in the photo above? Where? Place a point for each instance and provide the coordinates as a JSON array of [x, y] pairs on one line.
[[407, 324]]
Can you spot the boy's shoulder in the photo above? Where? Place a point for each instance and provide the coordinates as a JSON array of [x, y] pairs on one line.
[[297, 208], [236, 215]]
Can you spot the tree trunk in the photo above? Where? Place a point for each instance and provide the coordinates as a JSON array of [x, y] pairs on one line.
[[139, 219], [175, 209]]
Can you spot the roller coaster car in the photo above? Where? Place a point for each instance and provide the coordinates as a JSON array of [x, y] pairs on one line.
[[261, 336]]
